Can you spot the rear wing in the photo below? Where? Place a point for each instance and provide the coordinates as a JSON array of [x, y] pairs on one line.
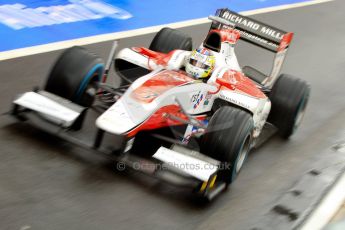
[[253, 31], [256, 33]]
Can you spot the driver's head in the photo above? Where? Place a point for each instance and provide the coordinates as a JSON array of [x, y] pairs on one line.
[[200, 63]]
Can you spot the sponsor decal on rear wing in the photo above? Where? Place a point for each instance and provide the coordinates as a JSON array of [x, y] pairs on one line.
[[259, 34], [253, 31]]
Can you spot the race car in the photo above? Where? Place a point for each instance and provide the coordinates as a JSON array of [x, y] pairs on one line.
[[195, 113]]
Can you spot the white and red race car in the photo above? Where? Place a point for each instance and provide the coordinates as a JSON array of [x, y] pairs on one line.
[[201, 131]]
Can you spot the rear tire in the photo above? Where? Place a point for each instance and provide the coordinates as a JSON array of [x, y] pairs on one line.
[[289, 98], [74, 74], [228, 139], [166, 40]]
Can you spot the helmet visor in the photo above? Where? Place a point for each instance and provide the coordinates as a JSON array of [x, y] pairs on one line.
[[198, 64]]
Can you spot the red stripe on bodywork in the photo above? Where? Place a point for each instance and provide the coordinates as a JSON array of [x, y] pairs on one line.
[[228, 35], [234, 80], [158, 57], [158, 84], [159, 119]]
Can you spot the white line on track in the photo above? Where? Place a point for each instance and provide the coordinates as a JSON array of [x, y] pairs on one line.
[[328, 207], [137, 32]]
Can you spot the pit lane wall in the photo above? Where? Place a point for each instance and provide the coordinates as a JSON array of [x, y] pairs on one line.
[[29, 23]]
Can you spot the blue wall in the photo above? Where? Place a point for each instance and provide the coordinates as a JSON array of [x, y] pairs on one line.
[[19, 27]]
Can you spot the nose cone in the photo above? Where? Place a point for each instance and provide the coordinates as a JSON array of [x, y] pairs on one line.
[[116, 120]]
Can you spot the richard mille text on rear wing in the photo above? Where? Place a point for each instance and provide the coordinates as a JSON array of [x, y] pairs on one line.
[[259, 34]]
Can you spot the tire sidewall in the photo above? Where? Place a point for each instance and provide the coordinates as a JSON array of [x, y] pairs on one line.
[[234, 173]]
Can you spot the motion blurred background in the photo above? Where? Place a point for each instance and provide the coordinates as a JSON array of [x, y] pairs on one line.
[[46, 183]]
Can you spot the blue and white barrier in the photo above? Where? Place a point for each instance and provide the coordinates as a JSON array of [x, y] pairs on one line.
[[26, 24]]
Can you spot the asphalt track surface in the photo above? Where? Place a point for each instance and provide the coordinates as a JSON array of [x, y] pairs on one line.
[[46, 183]]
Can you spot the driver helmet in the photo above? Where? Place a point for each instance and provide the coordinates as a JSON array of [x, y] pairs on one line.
[[201, 63]]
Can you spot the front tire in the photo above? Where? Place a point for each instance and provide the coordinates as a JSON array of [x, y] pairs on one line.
[[228, 139], [74, 76]]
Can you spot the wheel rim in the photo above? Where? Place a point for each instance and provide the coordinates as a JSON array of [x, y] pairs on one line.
[[243, 154], [97, 70], [88, 96]]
